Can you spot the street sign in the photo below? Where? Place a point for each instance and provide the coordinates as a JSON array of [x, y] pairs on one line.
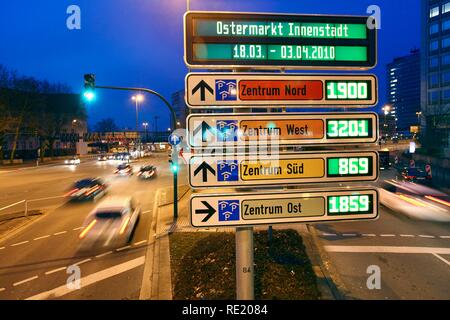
[[174, 139], [232, 130], [221, 40], [228, 210], [223, 90], [225, 170]]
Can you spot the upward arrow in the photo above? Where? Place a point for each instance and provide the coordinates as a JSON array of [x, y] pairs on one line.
[[204, 167], [209, 211], [204, 128], [202, 86]]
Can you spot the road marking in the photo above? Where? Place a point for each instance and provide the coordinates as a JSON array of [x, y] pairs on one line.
[[329, 234], [148, 211], [19, 243], [349, 234], [103, 254], [58, 233], [444, 237], [369, 235], [123, 248], [140, 242], [407, 235], [386, 249], [2, 248], [441, 258], [2, 289], [426, 236], [90, 279], [55, 270], [81, 262], [43, 237], [79, 228], [24, 281], [387, 235]]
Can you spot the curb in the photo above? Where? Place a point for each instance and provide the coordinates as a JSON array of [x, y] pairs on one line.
[[331, 287]]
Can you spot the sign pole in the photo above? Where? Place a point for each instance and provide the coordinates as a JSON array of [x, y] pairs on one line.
[[245, 286], [244, 264]]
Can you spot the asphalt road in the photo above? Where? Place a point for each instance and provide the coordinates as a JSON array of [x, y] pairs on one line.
[[413, 256], [34, 262]]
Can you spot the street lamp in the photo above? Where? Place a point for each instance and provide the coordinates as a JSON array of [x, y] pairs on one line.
[[137, 98], [418, 114], [386, 109]]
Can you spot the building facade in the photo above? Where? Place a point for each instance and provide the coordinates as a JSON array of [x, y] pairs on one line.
[[403, 91], [435, 74], [181, 109]]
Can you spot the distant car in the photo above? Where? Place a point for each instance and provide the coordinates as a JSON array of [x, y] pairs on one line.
[[73, 161], [102, 157], [87, 189], [415, 174], [147, 172], [124, 169], [112, 222]]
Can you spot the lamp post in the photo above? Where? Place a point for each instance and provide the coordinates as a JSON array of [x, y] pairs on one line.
[[145, 124], [137, 98]]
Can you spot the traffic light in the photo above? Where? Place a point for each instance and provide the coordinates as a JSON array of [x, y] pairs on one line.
[[173, 160], [89, 87]]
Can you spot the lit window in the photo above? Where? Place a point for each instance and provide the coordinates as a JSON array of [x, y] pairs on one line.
[[434, 62], [446, 7], [434, 12], [446, 42]]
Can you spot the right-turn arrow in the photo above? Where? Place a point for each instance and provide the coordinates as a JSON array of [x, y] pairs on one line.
[[209, 211]]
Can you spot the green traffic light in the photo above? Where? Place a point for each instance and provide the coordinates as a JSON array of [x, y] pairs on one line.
[[89, 95], [174, 168]]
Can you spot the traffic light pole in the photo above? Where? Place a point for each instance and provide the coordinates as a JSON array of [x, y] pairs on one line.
[[174, 120]]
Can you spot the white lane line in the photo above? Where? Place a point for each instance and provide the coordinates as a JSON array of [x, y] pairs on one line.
[[407, 235], [55, 270], [140, 242], [386, 249], [426, 236], [148, 211], [387, 235], [58, 233], [369, 235], [24, 281], [81, 262], [103, 254], [444, 237], [349, 234], [441, 258], [90, 279], [123, 248], [19, 243], [2, 248], [43, 237], [329, 234], [79, 228], [2, 289]]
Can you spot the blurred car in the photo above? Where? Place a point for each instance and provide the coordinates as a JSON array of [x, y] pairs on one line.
[[87, 189], [112, 222], [122, 156], [73, 161], [124, 169], [102, 157], [415, 201], [415, 174], [147, 172]]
